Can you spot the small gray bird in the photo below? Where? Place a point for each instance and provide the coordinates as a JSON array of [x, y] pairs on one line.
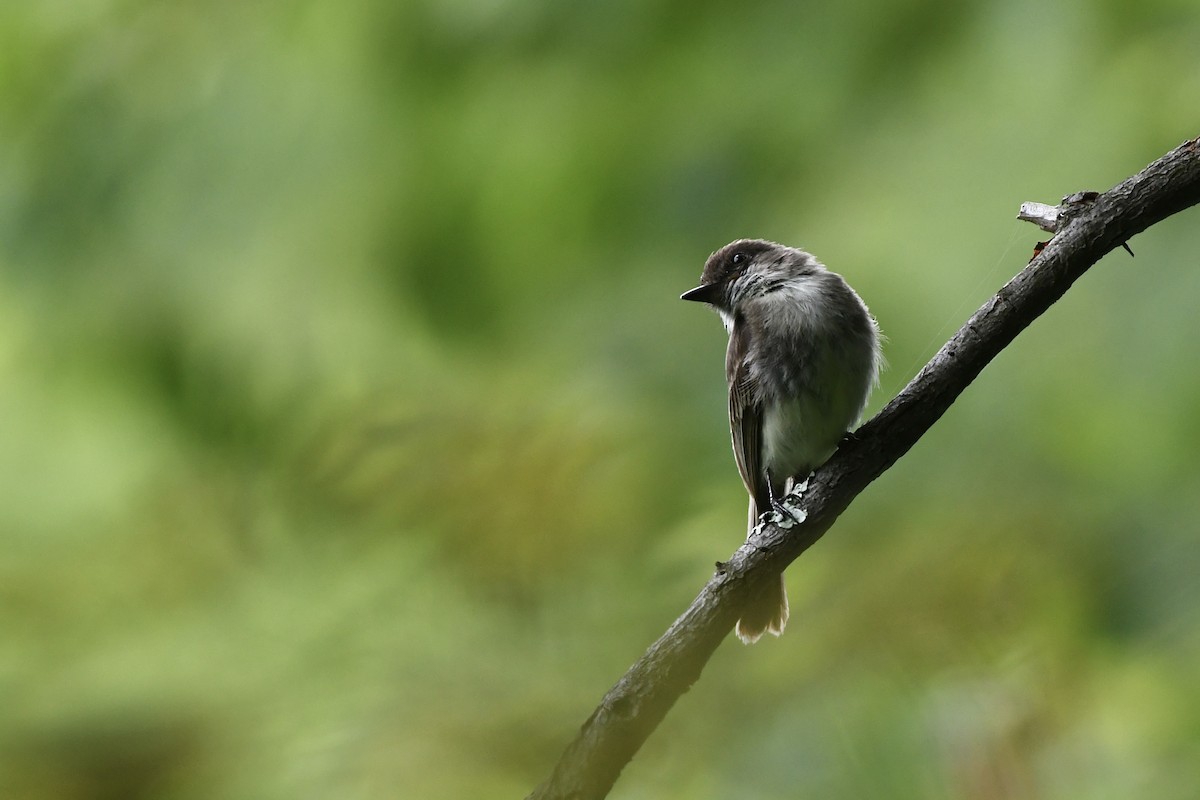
[[803, 356]]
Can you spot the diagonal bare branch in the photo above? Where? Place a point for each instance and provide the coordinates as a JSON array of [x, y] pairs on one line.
[[1089, 225]]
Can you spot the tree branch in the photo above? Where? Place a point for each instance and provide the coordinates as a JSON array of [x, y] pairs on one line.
[[1088, 226]]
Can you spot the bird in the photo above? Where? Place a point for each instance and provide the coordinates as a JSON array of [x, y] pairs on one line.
[[804, 353]]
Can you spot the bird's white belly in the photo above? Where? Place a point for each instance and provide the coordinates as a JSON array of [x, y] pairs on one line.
[[798, 434]]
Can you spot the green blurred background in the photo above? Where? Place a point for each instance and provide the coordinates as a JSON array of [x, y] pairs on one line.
[[354, 440]]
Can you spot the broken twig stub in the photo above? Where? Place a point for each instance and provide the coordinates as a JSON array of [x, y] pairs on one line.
[[1040, 214]]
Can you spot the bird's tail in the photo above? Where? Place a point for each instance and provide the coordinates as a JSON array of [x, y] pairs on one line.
[[767, 612], [767, 609]]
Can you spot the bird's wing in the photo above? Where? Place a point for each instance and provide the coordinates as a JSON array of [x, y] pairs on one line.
[[745, 419]]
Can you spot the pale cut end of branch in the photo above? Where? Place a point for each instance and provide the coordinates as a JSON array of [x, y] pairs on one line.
[[1052, 218], [1040, 214]]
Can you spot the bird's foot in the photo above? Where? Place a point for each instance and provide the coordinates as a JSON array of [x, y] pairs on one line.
[[786, 512]]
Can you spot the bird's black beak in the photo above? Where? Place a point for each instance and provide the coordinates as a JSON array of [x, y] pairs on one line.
[[705, 293]]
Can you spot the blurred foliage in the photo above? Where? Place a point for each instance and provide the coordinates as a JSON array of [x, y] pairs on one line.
[[354, 441]]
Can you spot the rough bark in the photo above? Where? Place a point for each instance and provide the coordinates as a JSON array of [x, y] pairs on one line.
[[1088, 226]]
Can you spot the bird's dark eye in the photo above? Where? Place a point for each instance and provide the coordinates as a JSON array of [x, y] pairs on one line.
[[738, 259]]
